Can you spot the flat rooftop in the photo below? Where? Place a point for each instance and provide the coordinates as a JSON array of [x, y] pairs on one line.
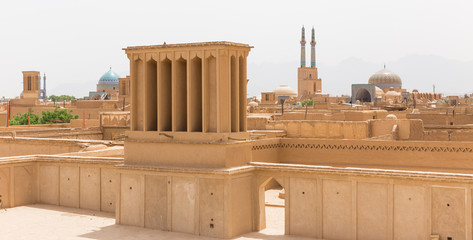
[[47, 222], [197, 44]]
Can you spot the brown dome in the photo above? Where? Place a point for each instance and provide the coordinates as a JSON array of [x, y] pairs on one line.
[[385, 79]]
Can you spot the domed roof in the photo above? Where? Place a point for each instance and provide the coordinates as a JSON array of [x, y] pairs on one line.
[[378, 91], [253, 104], [285, 90], [385, 78], [391, 117], [392, 93], [109, 77]]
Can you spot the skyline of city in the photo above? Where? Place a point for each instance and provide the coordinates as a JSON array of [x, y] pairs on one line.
[[74, 44]]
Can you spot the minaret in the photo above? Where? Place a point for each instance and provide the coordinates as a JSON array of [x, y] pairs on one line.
[[312, 49], [303, 47]]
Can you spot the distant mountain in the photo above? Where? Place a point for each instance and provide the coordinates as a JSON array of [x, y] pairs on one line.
[[450, 77]]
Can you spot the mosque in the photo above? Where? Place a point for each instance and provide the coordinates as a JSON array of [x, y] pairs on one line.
[[107, 86], [308, 82], [385, 87], [191, 161], [309, 85]]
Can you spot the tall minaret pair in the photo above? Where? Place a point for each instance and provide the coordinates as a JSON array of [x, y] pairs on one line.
[[312, 48], [308, 81]]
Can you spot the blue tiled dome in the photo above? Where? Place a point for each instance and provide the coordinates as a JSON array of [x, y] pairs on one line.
[[109, 77]]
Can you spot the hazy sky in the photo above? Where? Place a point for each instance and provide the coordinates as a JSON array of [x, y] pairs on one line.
[[75, 42]]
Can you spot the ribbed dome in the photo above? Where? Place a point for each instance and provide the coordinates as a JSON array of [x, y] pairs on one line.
[[109, 77], [385, 79], [285, 90]]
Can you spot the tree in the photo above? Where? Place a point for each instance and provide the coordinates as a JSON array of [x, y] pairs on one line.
[[57, 116], [23, 119], [55, 98], [48, 117], [308, 102]]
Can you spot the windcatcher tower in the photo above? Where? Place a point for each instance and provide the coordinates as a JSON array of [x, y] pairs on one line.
[[31, 82], [308, 83], [188, 148]]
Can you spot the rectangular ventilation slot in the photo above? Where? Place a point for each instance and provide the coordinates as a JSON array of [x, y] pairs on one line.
[[151, 96], [242, 84], [180, 96], [234, 96], [138, 98], [196, 95], [211, 95], [165, 96]]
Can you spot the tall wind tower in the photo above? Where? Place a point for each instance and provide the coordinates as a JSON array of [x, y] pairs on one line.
[[303, 47], [312, 49]]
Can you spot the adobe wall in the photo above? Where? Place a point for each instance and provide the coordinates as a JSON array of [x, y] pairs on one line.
[[56, 133], [407, 129], [200, 202], [30, 146], [300, 115], [114, 133], [3, 119], [441, 118], [184, 149], [321, 129], [88, 183], [114, 119], [187, 154], [419, 155], [340, 203], [79, 123], [114, 124], [257, 122]]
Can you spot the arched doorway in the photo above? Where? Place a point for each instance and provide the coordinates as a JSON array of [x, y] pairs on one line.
[[271, 206], [363, 95]]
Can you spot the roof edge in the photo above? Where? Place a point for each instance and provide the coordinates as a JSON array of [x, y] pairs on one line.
[[177, 45]]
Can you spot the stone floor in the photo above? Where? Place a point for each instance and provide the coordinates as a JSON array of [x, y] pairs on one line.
[[53, 222]]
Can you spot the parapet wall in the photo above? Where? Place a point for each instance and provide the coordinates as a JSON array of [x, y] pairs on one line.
[[30, 146], [402, 129], [418, 155], [53, 133], [79, 182], [339, 115], [322, 129], [355, 203], [444, 119]]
